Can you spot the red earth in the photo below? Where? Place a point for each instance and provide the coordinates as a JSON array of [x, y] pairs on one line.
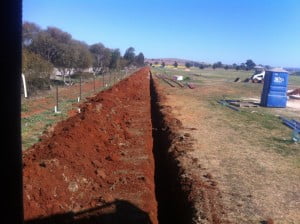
[[97, 166]]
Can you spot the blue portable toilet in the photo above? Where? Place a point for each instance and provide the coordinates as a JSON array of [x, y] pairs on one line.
[[275, 88]]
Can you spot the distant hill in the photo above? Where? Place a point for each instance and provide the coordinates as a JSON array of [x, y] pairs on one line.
[[296, 73], [170, 61], [180, 61], [292, 70]]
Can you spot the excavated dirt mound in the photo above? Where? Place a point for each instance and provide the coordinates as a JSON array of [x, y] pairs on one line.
[[122, 160], [97, 166]]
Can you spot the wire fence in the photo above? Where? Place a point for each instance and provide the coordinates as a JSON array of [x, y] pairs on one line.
[[43, 109]]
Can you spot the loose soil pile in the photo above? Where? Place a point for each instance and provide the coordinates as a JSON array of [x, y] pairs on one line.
[[97, 165]]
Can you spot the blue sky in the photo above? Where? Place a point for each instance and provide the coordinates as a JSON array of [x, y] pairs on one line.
[[231, 31]]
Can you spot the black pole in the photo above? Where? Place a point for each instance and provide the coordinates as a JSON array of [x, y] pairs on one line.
[[11, 152], [103, 81], [56, 98], [94, 84], [80, 88], [109, 78]]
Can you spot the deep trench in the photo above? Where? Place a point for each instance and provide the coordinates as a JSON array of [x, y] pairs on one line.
[[173, 205]]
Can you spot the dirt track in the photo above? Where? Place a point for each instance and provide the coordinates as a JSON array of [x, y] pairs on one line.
[[123, 159]]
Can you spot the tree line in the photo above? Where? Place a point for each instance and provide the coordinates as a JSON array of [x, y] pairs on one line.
[[46, 49], [248, 65]]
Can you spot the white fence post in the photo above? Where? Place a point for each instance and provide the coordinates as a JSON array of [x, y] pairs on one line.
[[24, 85]]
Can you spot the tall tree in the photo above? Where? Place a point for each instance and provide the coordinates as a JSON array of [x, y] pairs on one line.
[[66, 61], [101, 57], [250, 64], [36, 70], [59, 35], [44, 45], [115, 59], [217, 65], [140, 59], [175, 64], [188, 64], [243, 66], [29, 32], [129, 55], [84, 57], [74, 57]]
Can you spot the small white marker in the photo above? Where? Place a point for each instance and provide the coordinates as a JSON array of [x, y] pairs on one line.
[[56, 111]]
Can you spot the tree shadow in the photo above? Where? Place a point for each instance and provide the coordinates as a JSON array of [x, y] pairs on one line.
[[116, 212]]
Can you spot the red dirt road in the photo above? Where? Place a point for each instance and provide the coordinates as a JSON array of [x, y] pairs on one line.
[[97, 166]]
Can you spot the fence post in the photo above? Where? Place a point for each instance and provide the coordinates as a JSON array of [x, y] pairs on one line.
[[79, 89], [94, 83], [24, 85], [56, 106], [56, 97], [109, 78], [103, 81]]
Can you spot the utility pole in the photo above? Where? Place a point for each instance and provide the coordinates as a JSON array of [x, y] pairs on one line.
[[79, 89]]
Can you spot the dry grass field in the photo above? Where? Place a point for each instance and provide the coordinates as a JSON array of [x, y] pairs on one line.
[[249, 153]]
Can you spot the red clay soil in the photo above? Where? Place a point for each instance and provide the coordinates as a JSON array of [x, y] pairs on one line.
[[97, 166]]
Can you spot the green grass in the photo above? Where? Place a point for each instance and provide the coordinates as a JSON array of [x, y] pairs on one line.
[[24, 107], [294, 80], [258, 125], [267, 129], [33, 127], [210, 74], [207, 74]]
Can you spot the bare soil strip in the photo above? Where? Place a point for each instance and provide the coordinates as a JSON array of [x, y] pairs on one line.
[[123, 159], [97, 166], [183, 196]]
